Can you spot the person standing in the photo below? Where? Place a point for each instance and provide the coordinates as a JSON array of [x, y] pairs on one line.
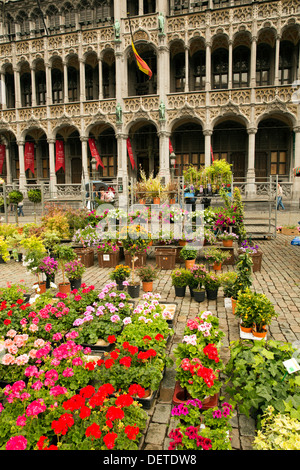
[[279, 198], [20, 209]]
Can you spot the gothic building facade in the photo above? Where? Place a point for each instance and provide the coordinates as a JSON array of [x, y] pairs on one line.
[[225, 79]]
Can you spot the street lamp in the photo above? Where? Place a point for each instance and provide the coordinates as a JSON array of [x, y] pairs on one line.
[[172, 164]]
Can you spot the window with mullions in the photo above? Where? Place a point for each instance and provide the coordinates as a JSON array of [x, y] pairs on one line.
[[185, 160], [57, 86], [220, 68], [149, 6], [278, 163], [198, 71], [89, 82], [72, 84], [85, 12], [53, 18], [179, 72], [69, 14], [286, 62], [40, 79], [263, 65], [26, 89], [240, 69], [23, 21]]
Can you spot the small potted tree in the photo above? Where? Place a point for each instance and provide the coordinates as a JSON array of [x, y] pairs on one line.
[[74, 270], [180, 278], [34, 251], [120, 274], [64, 254], [211, 284], [147, 275], [35, 196], [49, 267], [198, 271], [189, 255], [14, 197]]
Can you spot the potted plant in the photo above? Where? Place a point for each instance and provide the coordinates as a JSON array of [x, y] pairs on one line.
[[189, 255], [120, 274], [134, 240], [64, 254], [227, 281], [212, 283], [34, 251], [49, 267], [180, 278], [35, 196], [243, 279], [244, 311], [217, 256], [88, 237], [147, 275], [254, 252], [108, 254], [228, 238], [74, 270], [14, 197], [188, 438], [4, 251], [198, 272]]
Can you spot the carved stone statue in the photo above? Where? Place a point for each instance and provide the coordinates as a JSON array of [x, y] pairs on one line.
[[161, 23], [119, 113], [117, 29], [162, 111]]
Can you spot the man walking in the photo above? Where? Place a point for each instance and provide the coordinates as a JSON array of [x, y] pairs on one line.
[[279, 198]]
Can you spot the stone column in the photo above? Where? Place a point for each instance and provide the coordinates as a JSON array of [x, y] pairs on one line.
[[253, 62], [22, 176], [164, 154], [230, 65], [66, 97], [82, 80], [53, 180], [100, 79], [208, 66], [85, 172], [296, 180], [277, 48], [3, 91], [186, 85], [33, 87], [122, 166], [48, 84], [207, 146], [251, 187], [17, 87]]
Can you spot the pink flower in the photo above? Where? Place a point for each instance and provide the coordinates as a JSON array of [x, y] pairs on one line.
[[16, 443], [36, 407], [48, 327], [68, 372], [58, 390], [21, 420]]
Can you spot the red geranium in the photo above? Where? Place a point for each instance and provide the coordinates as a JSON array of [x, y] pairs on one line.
[[132, 432], [124, 400], [111, 339], [114, 412], [109, 440], [93, 430], [125, 361]]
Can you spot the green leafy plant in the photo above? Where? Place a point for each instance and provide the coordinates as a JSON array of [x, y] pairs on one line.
[[147, 273], [120, 273], [74, 269], [216, 255], [278, 432], [180, 277], [244, 274], [188, 253], [212, 281], [64, 253], [227, 281], [257, 378], [255, 309]]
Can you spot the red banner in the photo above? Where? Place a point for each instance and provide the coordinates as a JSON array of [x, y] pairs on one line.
[[59, 155], [130, 153], [2, 157], [170, 146], [29, 156], [94, 152], [212, 155]]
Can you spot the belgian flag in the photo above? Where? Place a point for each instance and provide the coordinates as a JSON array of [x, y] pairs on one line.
[[140, 62]]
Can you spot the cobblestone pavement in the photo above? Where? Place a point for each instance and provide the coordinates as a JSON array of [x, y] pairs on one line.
[[279, 279]]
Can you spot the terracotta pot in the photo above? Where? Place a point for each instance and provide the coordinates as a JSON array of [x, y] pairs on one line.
[[217, 266], [233, 305], [42, 287], [245, 330], [142, 201], [259, 334], [227, 243], [148, 286], [64, 288], [189, 263], [182, 242], [172, 201], [156, 200]]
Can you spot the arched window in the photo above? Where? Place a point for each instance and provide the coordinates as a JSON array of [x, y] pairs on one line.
[[286, 62], [25, 81], [103, 11], [53, 18], [40, 81], [240, 68], [37, 19], [85, 12], [220, 68], [149, 6], [263, 64], [69, 15], [72, 84], [23, 21], [10, 27]]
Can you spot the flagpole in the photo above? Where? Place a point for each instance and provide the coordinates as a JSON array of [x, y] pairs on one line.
[[45, 26]]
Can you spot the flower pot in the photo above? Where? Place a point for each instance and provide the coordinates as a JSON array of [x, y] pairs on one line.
[[182, 242], [172, 201], [233, 305], [120, 285], [189, 263], [199, 295], [86, 256], [42, 287], [180, 291], [165, 257], [133, 291], [256, 258], [142, 201], [217, 266], [49, 278], [259, 334], [147, 286], [75, 283], [191, 291], [156, 200], [212, 294], [108, 260], [227, 243], [64, 287], [245, 329]]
